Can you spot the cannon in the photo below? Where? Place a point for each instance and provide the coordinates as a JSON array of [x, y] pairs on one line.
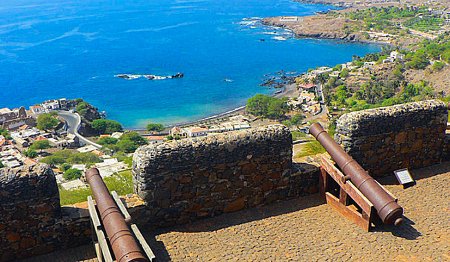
[[389, 211], [121, 239]]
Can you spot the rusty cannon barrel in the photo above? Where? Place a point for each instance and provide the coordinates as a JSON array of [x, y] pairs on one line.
[[123, 243], [387, 208]]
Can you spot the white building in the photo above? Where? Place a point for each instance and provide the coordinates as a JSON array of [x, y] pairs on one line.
[[196, 131]]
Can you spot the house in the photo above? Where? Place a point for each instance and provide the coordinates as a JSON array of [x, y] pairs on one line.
[[156, 139], [51, 105], [288, 19], [334, 74], [395, 55], [309, 86], [196, 131], [37, 110], [369, 65], [388, 60], [116, 135], [86, 149], [177, 131]]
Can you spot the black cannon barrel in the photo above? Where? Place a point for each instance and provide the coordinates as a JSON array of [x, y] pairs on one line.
[[388, 209], [123, 243]]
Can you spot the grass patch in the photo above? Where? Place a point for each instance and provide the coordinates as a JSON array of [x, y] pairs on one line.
[[296, 135], [121, 183], [310, 149]]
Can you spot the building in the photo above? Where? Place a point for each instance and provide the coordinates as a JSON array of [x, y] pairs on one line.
[[37, 110], [51, 105], [196, 131], [308, 86], [288, 19], [177, 131], [13, 119], [395, 55], [156, 139]]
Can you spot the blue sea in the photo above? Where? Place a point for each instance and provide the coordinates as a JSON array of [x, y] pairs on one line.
[[72, 49]]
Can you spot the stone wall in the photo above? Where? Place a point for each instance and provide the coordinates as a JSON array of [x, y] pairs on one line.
[[193, 178], [31, 219], [403, 136]]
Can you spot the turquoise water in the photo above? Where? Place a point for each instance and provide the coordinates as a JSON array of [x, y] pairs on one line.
[[74, 48]]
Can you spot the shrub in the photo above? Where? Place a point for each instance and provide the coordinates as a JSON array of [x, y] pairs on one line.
[[105, 126], [31, 153], [72, 174], [437, 66], [39, 145], [64, 167]]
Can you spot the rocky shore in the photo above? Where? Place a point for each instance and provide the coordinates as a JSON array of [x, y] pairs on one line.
[[318, 26]]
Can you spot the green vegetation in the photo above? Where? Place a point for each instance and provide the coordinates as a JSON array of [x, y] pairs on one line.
[[152, 127], [425, 23], [40, 145], [106, 126], [310, 149], [5, 133], [105, 141], [82, 107], [1, 165], [127, 143], [297, 135], [72, 174], [438, 66], [121, 183], [47, 121], [267, 106], [71, 157], [31, 153], [388, 19], [64, 167], [296, 120]]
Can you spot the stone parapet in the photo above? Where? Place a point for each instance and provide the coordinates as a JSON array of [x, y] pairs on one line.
[[402, 136], [32, 221], [194, 178]]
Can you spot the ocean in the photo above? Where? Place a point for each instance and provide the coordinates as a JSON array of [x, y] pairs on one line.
[[74, 49]]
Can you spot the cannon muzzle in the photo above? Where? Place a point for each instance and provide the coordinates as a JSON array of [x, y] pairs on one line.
[[123, 243], [387, 208]]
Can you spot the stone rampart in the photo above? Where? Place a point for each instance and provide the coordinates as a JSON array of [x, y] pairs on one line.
[[403, 136], [193, 178], [32, 221]]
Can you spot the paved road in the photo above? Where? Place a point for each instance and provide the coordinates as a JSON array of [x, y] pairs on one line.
[[73, 121]]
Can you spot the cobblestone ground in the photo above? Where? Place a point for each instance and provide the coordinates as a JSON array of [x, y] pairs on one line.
[[308, 230]]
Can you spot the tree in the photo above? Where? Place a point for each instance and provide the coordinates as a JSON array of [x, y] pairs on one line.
[[46, 122], [31, 153], [153, 127], [266, 106], [134, 137], [127, 146], [72, 174], [40, 145], [130, 141], [1, 165], [105, 126], [108, 141]]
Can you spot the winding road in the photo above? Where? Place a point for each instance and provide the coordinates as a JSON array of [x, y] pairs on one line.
[[73, 121]]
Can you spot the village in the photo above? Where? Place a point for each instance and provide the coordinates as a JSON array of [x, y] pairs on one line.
[[22, 143]]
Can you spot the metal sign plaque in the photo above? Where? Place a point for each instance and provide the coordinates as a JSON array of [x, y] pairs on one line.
[[404, 177]]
